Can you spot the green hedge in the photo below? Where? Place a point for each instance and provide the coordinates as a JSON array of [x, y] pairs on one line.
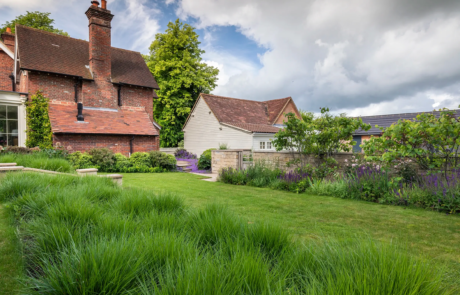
[[106, 161]]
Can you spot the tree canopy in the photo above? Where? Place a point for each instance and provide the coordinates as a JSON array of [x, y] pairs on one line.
[[36, 19], [321, 136], [176, 63]]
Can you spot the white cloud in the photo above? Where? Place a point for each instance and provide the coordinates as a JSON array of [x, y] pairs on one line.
[[363, 54], [139, 21]]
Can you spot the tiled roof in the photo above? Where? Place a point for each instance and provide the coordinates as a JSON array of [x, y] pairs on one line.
[[254, 116], [275, 107], [64, 120], [228, 109], [48, 52], [259, 128], [387, 120]]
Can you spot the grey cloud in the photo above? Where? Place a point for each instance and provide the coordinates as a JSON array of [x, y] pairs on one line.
[[344, 54]]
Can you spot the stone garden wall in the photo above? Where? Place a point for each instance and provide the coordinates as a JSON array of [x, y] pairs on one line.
[[234, 158]]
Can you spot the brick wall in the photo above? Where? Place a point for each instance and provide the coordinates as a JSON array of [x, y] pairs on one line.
[[54, 87], [6, 68], [117, 143]]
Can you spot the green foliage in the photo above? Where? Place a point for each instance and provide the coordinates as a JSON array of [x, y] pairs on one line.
[[121, 162], [114, 241], [103, 158], [223, 146], [175, 62], [205, 160], [140, 159], [81, 160], [322, 136], [162, 160], [36, 19], [181, 144], [38, 122], [432, 142]]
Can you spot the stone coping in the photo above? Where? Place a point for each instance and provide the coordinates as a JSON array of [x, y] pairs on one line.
[[7, 164], [88, 170], [11, 168], [288, 152], [226, 151]]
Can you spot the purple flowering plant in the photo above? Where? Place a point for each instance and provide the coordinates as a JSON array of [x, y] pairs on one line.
[[184, 154]]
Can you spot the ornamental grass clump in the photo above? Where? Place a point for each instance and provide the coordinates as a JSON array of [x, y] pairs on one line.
[[86, 235], [38, 161]]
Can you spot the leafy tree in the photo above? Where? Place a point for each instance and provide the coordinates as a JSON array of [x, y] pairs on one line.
[[321, 136], [432, 142], [37, 20], [175, 62], [38, 122]]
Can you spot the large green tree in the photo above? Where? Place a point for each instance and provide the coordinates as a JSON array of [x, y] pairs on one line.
[[36, 19], [175, 62]]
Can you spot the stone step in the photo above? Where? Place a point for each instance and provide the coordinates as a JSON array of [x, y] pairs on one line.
[[186, 169], [182, 164], [8, 164]]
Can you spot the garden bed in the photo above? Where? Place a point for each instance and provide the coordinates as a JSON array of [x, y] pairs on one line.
[[87, 236]]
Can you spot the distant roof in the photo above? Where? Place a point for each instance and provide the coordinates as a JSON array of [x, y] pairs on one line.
[[388, 120], [250, 115], [63, 119], [53, 53]]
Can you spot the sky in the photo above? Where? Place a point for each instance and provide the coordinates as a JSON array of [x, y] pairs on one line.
[[361, 57]]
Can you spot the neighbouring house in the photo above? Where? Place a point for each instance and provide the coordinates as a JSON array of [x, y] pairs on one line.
[[113, 87], [238, 123], [384, 121]]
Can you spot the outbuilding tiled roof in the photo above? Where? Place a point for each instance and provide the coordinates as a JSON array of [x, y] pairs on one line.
[[122, 122], [53, 53], [250, 115], [388, 120]]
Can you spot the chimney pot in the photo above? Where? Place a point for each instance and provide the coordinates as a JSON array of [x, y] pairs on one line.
[[104, 4], [95, 3], [8, 30]]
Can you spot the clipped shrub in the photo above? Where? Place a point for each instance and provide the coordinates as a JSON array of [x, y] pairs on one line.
[[121, 162], [80, 160], [140, 159], [162, 160], [103, 158], [17, 150], [204, 163]]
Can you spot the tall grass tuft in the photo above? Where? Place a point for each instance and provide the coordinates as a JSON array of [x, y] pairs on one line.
[[87, 236], [38, 161]]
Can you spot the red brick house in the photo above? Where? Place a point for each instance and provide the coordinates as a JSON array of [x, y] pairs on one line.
[[114, 86]]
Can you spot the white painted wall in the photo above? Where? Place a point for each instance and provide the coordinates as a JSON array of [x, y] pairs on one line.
[[203, 131], [260, 137], [15, 99]]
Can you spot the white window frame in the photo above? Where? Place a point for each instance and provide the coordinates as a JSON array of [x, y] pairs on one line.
[[269, 145], [15, 99], [262, 145]]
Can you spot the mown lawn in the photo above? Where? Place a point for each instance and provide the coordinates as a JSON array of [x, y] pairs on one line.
[[426, 233]]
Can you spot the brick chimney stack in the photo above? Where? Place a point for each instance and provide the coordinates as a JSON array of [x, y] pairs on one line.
[[100, 48], [9, 39]]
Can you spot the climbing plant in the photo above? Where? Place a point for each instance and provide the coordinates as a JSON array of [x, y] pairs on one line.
[[38, 122]]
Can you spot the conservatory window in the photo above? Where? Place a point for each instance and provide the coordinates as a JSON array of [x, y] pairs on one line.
[[262, 145], [8, 125]]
